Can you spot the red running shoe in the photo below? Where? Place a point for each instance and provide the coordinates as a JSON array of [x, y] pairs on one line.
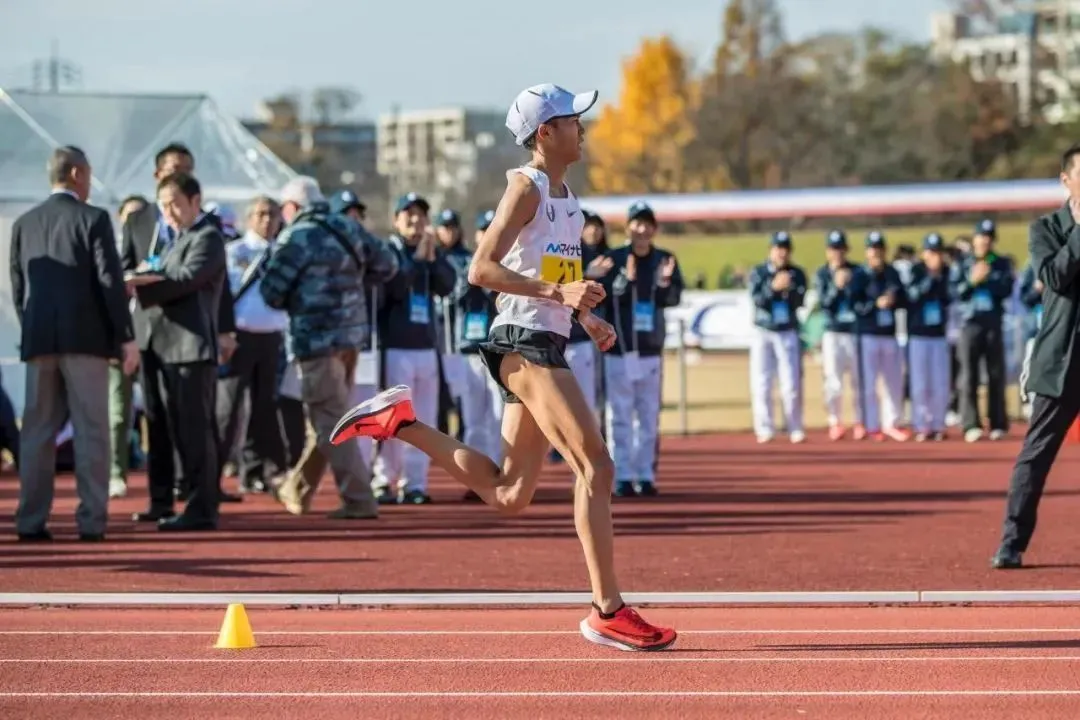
[[626, 631], [378, 418]]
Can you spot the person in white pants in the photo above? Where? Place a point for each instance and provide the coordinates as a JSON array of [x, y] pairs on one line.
[[581, 353], [878, 294], [840, 343], [644, 280], [407, 332], [481, 401], [1031, 292], [929, 370], [777, 291]]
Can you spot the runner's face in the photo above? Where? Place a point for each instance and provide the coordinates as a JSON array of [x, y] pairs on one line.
[[565, 137]]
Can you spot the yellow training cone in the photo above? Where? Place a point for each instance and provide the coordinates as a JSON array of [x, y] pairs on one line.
[[236, 630]]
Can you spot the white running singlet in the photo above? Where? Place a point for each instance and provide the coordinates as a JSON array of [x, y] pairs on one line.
[[548, 248]]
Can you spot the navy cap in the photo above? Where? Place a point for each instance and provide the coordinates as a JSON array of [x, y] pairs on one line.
[[836, 239], [781, 238], [483, 220], [345, 200], [875, 238], [641, 210], [447, 218], [986, 227], [933, 241], [408, 200]]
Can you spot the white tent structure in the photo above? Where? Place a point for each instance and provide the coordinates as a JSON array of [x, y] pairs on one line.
[[120, 134]]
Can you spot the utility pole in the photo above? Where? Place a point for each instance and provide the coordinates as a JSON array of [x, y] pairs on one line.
[[55, 72]]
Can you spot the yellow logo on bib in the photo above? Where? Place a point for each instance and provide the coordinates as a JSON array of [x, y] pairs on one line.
[[561, 263]]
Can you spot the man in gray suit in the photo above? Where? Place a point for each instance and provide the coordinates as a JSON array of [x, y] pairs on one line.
[[179, 298], [68, 292]]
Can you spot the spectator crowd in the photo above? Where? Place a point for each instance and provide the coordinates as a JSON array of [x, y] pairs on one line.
[[239, 348], [912, 340]]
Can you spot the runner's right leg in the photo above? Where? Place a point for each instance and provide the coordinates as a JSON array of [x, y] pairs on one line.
[[554, 410], [509, 488]]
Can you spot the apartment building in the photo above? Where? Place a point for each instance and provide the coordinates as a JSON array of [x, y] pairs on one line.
[[1031, 47]]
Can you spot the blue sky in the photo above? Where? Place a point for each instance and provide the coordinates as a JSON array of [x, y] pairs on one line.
[[417, 54]]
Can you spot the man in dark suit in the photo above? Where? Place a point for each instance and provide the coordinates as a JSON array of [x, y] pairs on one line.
[[179, 311], [146, 234], [68, 291], [1054, 372]]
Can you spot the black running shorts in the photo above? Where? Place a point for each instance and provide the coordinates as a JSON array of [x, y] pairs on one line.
[[538, 347]]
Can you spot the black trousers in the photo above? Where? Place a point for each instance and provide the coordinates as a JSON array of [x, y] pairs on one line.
[[1051, 419], [294, 427], [982, 344], [252, 371], [180, 418]]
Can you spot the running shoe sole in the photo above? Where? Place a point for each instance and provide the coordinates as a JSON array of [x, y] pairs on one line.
[[593, 636], [380, 403]]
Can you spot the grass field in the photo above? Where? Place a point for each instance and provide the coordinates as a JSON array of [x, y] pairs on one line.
[[718, 395], [711, 253]]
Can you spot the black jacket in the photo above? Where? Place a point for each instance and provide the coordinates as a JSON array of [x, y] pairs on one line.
[[66, 282], [928, 300], [868, 287], [181, 312], [403, 322], [1054, 247], [471, 308], [139, 238], [649, 298]]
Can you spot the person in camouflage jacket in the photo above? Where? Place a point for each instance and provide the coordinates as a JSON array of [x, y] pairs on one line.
[[320, 273], [314, 278]]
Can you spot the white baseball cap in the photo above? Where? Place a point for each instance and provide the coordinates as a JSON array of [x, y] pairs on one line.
[[303, 190], [542, 103]]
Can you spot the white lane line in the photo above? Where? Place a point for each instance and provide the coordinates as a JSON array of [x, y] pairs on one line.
[[569, 694], [519, 633], [542, 660]]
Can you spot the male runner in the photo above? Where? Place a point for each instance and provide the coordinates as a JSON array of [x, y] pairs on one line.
[[531, 256]]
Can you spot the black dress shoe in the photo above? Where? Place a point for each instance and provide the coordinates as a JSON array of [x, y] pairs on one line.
[[152, 516], [1006, 559], [37, 536], [183, 523], [92, 537]]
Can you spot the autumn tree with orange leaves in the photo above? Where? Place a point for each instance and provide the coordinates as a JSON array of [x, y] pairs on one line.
[[639, 145]]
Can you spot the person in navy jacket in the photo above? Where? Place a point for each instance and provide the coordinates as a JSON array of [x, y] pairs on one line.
[[839, 343], [777, 289], [878, 293], [982, 283], [928, 349]]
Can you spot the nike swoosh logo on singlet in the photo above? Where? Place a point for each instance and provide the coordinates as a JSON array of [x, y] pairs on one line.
[[571, 213]]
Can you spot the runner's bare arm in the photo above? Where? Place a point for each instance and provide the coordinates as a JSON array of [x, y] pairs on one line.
[[516, 209]]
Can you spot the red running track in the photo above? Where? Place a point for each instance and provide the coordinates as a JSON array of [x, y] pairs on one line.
[[879, 663], [732, 516]]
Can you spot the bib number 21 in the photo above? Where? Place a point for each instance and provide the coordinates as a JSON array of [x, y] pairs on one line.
[[560, 270]]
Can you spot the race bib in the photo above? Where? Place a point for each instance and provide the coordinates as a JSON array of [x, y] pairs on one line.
[[644, 314], [781, 313], [931, 313], [561, 263], [884, 317], [419, 312], [476, 326], [982, 301], [844, 313]]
